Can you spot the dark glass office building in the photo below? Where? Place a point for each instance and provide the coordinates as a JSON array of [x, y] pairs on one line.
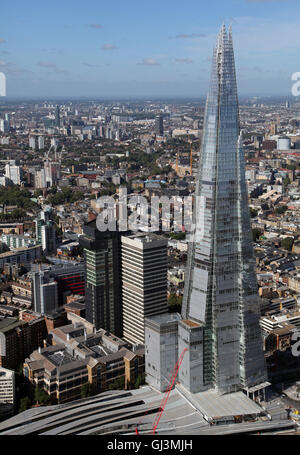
[[102, 287]]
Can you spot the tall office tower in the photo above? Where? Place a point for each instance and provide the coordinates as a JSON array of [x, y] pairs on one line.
[[13, 172], [54, 142], [32, 142], [41, 142], [40, 179], [220, 314], [45, 294], [273, 129], [102, 286], [45, 231], [7, 120], [144, 282], [57, 116], [101, 131], [159, 125], [4, 127], [52, 172]]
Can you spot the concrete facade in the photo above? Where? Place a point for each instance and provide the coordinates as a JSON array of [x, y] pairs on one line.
[[161, 348]]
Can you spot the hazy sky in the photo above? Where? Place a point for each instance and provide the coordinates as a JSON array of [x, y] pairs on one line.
[[144, 48]]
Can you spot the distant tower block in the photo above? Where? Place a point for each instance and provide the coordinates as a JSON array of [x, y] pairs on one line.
[[159, 125], [32, 142], [273, 129], [57, 116], [2, 84], [41, 142]]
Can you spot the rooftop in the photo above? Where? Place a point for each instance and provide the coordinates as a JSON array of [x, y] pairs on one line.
[[8, 323], [165, 318], [191, 323], [101, 414], [214, 405]]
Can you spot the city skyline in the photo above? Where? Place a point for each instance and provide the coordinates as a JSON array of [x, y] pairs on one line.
[[144, 51]]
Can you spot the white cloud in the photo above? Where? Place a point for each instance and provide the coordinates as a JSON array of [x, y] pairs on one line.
[[184, 60], [97, 26], [52, 66], [90, 65], [47, 64], [266, 1], [150, 62], [188, 36], [108, 47]]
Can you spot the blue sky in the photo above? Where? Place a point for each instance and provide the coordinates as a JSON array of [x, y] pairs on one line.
[[144, 48]]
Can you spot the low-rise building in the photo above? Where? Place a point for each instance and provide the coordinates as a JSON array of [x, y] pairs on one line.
[[20, 256], [14, 241], [77, 357]]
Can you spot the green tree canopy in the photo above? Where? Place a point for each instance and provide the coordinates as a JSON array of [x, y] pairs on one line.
[[281, 209], [175, 303], [256, 233], [287, 243], [25, 403], [41, 396]]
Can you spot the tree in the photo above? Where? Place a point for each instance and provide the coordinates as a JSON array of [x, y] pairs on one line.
[[287, 243], [253, 212], [140, 380], [175, 303], [177, 235], [65, 195], [281, 209], [118, 384], [87, 390], [256, 233], [41, 396], [25, 403], [16, 196], [286, 181]]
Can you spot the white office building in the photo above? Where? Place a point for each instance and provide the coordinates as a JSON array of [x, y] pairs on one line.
[[144, 282], [7, 386], [32, 142], [13, 172], [41, 142]]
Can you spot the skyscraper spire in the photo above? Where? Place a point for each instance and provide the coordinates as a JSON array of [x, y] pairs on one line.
[[220, 294]]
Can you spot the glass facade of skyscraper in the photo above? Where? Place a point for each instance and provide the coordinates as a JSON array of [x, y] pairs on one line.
[[221, 289]]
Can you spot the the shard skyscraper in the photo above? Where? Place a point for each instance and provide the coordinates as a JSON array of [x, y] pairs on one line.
[[220, 314]]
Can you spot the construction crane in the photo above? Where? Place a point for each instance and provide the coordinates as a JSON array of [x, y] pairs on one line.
[[168, 391], [191, 157], [59, 155], [48, 153]]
